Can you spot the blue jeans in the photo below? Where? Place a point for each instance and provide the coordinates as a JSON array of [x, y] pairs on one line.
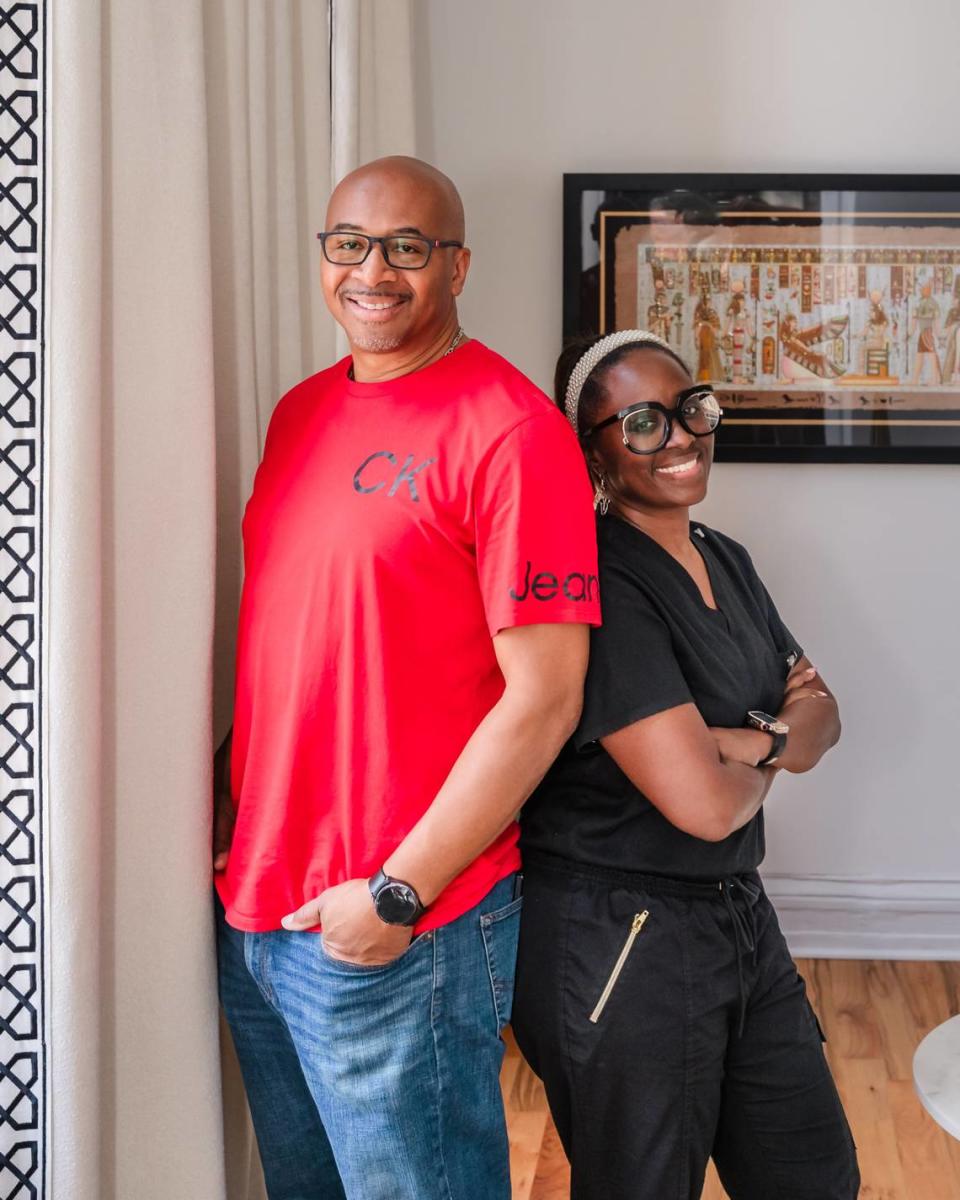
[[377, 1083]]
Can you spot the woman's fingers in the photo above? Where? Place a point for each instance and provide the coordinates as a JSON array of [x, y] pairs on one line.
[[799, 677], [803, 693]]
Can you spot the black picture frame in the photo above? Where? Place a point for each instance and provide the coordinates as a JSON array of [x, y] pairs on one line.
[[824, 308]]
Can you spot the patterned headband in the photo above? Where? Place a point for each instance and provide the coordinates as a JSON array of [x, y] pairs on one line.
[[592, 357]]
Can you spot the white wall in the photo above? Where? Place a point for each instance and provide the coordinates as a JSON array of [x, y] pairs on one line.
[[865, 854]]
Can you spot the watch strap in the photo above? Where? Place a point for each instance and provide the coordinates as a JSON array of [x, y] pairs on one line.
[[779, 745], [377, 881]]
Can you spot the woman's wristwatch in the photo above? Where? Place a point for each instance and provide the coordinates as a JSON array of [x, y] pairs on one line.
[[777, 729]]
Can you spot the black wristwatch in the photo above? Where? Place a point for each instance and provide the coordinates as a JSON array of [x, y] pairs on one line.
[[777, 729], [396, 902]]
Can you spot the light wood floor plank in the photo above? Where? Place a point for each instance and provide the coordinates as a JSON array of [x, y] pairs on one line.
[[924, 987], [951, 979], [863, 1088], [527, 1105], [712, 1188], [553, 1173], [845, 1009], [899, 1033], [922, 1145]]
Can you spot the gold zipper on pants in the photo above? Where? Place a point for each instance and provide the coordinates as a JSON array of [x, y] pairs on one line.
[[635, 926]]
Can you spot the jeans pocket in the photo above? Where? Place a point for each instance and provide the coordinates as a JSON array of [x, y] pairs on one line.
[[350, 968], [501, 930]]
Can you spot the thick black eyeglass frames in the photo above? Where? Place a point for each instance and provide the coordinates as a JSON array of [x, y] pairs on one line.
[[646, 427]]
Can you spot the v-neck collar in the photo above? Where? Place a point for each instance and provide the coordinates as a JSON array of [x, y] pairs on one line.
[[698, 538]]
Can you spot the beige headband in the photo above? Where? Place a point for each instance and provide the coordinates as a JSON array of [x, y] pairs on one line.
[[597, 352]]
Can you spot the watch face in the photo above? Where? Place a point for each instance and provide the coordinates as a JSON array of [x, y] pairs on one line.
[[769, 724], [396, 903]]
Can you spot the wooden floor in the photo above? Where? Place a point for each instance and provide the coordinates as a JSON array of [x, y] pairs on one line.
[[874, 1014]]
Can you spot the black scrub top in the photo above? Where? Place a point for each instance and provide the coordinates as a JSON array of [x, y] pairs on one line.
[[660, 646]]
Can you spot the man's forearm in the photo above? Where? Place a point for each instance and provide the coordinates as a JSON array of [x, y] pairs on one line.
[[498, 768]]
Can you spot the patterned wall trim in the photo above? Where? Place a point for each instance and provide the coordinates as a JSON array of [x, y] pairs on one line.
[[23, 1060]]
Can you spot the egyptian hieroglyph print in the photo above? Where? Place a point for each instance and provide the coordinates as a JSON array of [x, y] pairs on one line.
[[825, 317]]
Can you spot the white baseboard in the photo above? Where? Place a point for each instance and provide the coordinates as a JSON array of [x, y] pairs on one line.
[[829, 917]]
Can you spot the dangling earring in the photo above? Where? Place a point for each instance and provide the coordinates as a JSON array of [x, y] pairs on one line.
[[601, 501]]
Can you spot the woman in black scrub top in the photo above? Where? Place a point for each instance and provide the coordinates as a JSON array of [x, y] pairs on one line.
[[655, 994]]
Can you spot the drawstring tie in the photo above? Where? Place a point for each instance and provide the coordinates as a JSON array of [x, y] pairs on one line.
[[744, 921]]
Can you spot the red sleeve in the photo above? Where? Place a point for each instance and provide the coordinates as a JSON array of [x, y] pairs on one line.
[[535, 531]]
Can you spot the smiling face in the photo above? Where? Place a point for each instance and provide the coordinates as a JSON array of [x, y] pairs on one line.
[[674, 477], [384, 308]]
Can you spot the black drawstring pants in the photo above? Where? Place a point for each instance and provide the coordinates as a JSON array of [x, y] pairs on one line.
[[706, 1044]]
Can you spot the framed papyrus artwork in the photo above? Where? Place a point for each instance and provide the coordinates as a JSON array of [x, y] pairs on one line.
[[825, 310]]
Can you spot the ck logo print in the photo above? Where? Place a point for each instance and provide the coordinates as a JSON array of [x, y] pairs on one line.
[[545, 585], [372, 475]]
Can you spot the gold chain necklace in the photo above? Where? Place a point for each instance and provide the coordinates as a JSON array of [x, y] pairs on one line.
[[457, 339]]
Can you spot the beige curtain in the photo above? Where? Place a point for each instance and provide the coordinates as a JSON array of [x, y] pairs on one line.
[[298, 93], [181, 152], [129, 1068]]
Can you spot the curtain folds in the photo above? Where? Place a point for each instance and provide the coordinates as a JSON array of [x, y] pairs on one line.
[[192, 146], [130, 1072]]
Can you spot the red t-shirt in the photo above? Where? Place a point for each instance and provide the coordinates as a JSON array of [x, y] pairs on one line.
[[393, 529]]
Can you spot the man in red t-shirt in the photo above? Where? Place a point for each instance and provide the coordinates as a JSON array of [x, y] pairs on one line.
[[420, 572]]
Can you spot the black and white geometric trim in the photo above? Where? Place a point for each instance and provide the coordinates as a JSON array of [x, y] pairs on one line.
[[23, 1063]]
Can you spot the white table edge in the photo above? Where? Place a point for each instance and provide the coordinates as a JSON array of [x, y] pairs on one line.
[[948, 1121]]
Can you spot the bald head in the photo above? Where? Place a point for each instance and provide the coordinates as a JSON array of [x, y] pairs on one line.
[[385, 307], [400, 182]]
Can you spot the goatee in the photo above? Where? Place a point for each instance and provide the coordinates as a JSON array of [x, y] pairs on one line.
[[375, 343]]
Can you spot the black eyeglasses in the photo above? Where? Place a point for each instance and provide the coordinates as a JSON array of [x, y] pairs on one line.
[[646, 427], [406, 253]]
